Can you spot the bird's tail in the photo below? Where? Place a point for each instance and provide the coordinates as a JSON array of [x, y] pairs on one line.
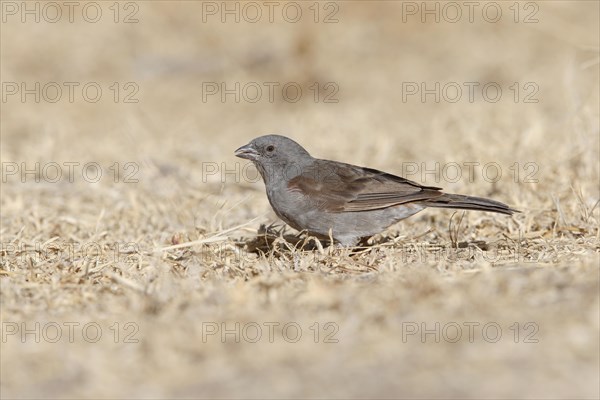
[[458, 201]]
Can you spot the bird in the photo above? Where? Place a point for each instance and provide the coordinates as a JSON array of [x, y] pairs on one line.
[[331, 199]]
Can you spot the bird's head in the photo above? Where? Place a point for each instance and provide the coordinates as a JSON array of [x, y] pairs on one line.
[[274, 155]]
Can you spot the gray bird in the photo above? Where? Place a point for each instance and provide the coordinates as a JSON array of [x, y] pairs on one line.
[[355, 203]]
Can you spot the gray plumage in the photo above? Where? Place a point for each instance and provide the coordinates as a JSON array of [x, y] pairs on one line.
[[317, 196]]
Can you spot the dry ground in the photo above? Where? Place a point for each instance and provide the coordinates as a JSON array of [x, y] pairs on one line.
[[80, 258]]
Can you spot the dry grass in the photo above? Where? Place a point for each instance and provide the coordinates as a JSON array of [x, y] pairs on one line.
[[184, 250]]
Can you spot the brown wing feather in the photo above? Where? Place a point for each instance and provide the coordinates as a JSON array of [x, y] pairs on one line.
[[338, 187]]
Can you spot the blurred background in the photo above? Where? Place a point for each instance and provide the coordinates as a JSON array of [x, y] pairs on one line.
[[357, 68], [159, 94]]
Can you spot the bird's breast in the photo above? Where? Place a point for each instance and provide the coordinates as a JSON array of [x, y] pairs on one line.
[[283, 203]]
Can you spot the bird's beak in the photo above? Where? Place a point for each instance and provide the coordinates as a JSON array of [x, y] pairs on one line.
[[248, 151]]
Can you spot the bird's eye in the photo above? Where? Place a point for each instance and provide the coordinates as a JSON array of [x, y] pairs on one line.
[[270, 148]]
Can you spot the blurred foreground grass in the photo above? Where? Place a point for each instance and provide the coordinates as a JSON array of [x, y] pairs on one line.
[[511, 313]]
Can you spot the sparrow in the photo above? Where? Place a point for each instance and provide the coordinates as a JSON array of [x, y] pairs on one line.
[[349, 203]]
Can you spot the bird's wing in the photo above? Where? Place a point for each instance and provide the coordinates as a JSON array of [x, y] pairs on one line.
[[338, 187]]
